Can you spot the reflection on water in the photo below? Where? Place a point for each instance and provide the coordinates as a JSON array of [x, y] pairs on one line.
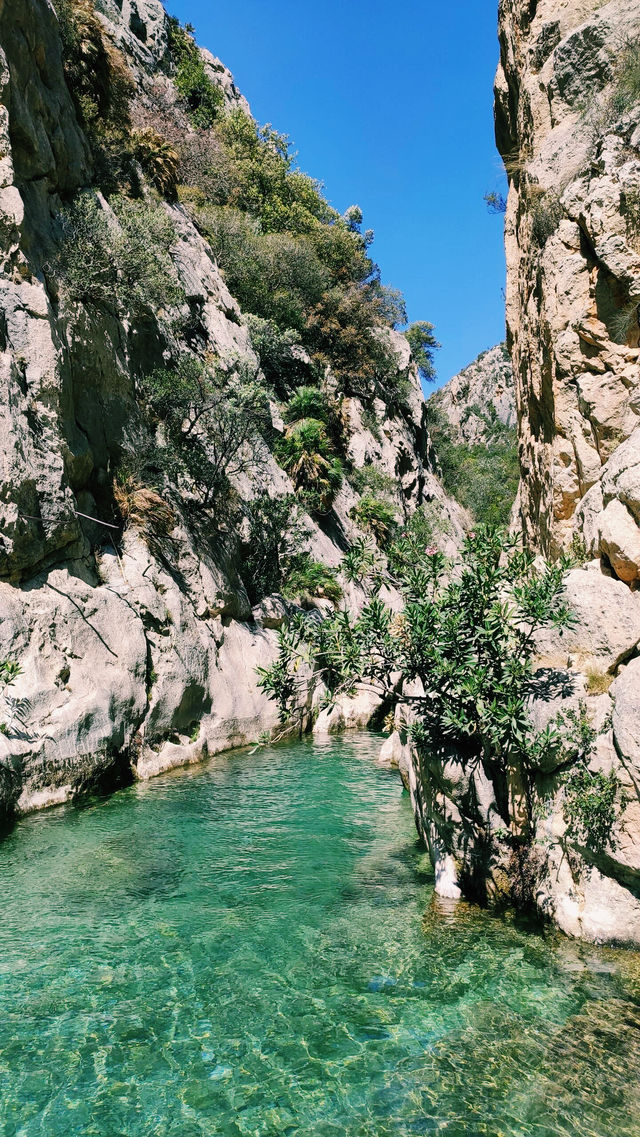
[[254, 948]]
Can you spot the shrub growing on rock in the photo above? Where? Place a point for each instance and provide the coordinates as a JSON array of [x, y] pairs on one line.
[[272, 541], [375, 516], [466, 639], [128, 263], [308, 456], [208, 420], [308, 580], [202, 97]]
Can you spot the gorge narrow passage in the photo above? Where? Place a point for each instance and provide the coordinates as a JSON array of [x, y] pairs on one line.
[[253, 947]]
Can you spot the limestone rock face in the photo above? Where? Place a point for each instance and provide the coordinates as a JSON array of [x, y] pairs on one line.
[[568, 127], [570, 146], [606, 627], [137, 653], [481, 394]]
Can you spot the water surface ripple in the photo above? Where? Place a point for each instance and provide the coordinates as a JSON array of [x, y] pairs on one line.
[[253, 948]]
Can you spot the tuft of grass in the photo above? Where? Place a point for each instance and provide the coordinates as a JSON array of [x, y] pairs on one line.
[[308, 579], [625, 323], [142, 508], [598, 682]]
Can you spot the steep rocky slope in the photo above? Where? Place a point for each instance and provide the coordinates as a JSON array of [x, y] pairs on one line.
[[472, 426], [478, 396], [134, 631], [568, 127]]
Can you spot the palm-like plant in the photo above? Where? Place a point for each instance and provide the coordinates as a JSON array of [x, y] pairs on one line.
[[307, 455], [159, 160]]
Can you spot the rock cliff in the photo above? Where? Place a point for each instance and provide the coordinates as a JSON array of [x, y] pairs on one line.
[[135, 632], [568, 127]]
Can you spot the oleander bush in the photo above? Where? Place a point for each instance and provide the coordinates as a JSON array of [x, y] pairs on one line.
[[468, 637]]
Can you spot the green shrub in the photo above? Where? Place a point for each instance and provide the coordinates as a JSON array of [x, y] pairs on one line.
[[84, 265], [209, 421], [423, 344], [419, 538], [590, 806], [283, 362], [273, 539], [343, 331], [277, 276], [467, 636], [128, 264], [375, 516], [361, 563], [10, 669], [308, 579], [308, 456], [203, 99], [308, 402], [142, 249]]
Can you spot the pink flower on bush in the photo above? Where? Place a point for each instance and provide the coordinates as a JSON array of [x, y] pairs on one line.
[[431, 550]]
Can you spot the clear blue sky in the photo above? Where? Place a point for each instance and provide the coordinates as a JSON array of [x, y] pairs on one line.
[[389, 104]]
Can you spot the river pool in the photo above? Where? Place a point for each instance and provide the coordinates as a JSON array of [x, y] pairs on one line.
[[253, 947]]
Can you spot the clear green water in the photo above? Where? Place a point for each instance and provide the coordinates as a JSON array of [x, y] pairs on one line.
[[254, 948]]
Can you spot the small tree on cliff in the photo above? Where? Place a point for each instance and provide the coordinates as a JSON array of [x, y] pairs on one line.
[[463, 644]]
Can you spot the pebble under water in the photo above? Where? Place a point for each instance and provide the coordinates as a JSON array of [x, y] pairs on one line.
[[254, 947]]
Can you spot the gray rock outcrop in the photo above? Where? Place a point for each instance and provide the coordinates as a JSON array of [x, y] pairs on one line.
[[478, 396], [568, 127]]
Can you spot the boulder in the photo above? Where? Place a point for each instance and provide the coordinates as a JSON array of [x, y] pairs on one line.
[[626, 715], [606, 629], [620, 540]]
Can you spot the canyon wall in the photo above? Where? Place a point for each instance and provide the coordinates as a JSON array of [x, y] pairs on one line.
[[567, 105], [137, 650], [568, 128]]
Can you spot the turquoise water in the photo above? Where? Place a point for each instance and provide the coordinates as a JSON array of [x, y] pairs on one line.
[[254, 948]]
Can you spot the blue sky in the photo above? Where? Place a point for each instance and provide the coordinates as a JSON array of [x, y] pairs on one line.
[[390, 106]]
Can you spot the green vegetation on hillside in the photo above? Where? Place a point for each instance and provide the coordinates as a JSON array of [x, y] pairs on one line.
[[482, 477], [319, 316]]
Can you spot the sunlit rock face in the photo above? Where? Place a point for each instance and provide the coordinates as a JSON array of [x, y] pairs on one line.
[[568, 127], [479, 395]]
